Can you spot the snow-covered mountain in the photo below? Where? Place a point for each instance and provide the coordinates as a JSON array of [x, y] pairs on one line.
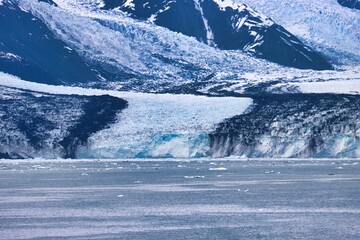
[[324, 25], [127, 53], [93, 80], [226, 25], [30, 50], [160, 60]]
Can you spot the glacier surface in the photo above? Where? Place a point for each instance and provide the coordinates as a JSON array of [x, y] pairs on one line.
[[164, 126]]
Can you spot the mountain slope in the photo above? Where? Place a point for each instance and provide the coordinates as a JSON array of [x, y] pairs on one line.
[[228, 26], [324, 25], [30, 50], [135, 55], [157, 59]]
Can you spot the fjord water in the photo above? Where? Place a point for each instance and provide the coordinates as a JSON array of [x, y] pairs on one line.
[[161, 199]]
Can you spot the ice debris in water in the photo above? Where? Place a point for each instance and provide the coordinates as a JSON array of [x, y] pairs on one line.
[[191, 177], [218, 169]]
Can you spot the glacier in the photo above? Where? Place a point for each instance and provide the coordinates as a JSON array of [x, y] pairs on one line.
[[151, 125], [321, 125], [164, 126]]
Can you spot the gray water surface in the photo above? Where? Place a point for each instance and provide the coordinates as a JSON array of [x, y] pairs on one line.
[[180, 199]]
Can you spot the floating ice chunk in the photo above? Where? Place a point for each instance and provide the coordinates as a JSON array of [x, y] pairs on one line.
[[39, 167], [218, 169], [245, 190], [191, 177]]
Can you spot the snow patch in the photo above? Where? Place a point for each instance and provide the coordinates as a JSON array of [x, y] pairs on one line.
[[129, 4], [223, 4], [341, 87], [209, 33], [10, 56]]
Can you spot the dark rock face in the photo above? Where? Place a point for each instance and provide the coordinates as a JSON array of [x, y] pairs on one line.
[[99, 112], [355, 4], [48, 1], [296, 125], [30, 50], [226, 26], [36, 124]]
